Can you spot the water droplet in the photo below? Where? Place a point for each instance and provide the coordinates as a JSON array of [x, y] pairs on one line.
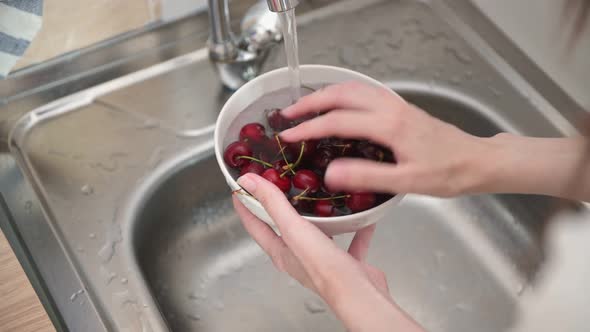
[[79, 249], [455, 80], [87, 189], [194, 317], [114, 236], [396, 45], [495, 92], [461, 57], [124, 281], [155, 158], [92, 236], [75, 295], [124, 298], [463, 307], [292, 283], [314, 306], [145, 305], [28, 207], [57, 153], [468, 75], [219, 305], [520, 289], [197, 296], [439, 255], [109, 166], [107, 275], [148, 124]]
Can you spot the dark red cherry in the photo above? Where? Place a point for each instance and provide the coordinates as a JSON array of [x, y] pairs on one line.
[[360, 201], [309, 149], [370, 151], [323, 208], [282, 182], [343, 147], [305, 179], [279, 165], [235, 150], [252, 167], [302, 205], [276, 120], [253, 132], [322, 158]]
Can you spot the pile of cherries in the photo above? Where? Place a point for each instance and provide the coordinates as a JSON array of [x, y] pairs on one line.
[[297, 169]]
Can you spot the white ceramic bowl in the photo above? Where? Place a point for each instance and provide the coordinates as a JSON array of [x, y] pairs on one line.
[[312, 75]]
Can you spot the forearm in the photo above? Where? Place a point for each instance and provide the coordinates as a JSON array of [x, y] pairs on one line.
[[546, 166]]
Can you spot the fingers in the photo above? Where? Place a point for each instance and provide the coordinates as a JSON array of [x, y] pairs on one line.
[[359, 246], [266, 238], [305, 240], [341, 123], [348, 95], [365, 175]]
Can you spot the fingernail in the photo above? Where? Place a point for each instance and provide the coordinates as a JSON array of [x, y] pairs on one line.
[[247, 183], [287, 110], [285, 133]]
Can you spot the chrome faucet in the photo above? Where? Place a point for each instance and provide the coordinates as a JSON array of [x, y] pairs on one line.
[[238, 60]]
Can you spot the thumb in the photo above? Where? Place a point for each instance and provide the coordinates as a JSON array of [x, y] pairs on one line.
[[349, 174], [302, 237]]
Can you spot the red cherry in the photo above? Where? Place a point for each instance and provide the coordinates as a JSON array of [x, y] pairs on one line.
[[323, 208], [279, 165], [276, 120], [322, 158], [302, 206], [253, 132], [370, 151], [283, 183], [360, 201], [308, 151], [306, 179], [252, 167], [235, 150]]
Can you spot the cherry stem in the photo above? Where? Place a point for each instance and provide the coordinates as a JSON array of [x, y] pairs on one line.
[[343, 146], [284, 156], [292, 166], [256, 160], [320, 199], [302, 194]]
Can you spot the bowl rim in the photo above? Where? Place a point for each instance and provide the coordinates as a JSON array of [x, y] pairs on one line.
[[233, 183]]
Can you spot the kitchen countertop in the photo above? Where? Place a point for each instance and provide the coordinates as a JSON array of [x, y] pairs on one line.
[[20, 308]]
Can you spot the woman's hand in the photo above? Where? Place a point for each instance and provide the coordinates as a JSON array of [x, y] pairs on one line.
[[356, 291], [433, 157]]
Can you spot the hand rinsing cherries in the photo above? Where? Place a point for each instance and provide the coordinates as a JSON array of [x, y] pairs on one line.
[[297, 169]]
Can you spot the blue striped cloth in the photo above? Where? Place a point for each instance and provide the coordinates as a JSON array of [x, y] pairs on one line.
[[20, 20]]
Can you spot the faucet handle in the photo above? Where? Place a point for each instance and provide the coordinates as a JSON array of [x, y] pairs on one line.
[[281, 5]]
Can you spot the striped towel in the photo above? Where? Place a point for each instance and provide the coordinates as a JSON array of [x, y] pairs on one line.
[[20, 20]]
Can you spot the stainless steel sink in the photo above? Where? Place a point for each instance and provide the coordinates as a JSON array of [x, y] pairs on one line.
[[140, 220], [454, 264]]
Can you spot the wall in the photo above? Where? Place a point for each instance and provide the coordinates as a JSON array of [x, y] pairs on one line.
[[536, 26]]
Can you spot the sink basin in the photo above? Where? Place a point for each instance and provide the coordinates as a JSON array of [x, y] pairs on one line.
[[132, 228], [453, 263]]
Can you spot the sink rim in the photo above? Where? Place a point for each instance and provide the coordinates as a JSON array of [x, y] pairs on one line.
[[130, 216]]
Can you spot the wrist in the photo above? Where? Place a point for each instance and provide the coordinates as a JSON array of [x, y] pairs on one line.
[[517, 164], [481, 167]]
